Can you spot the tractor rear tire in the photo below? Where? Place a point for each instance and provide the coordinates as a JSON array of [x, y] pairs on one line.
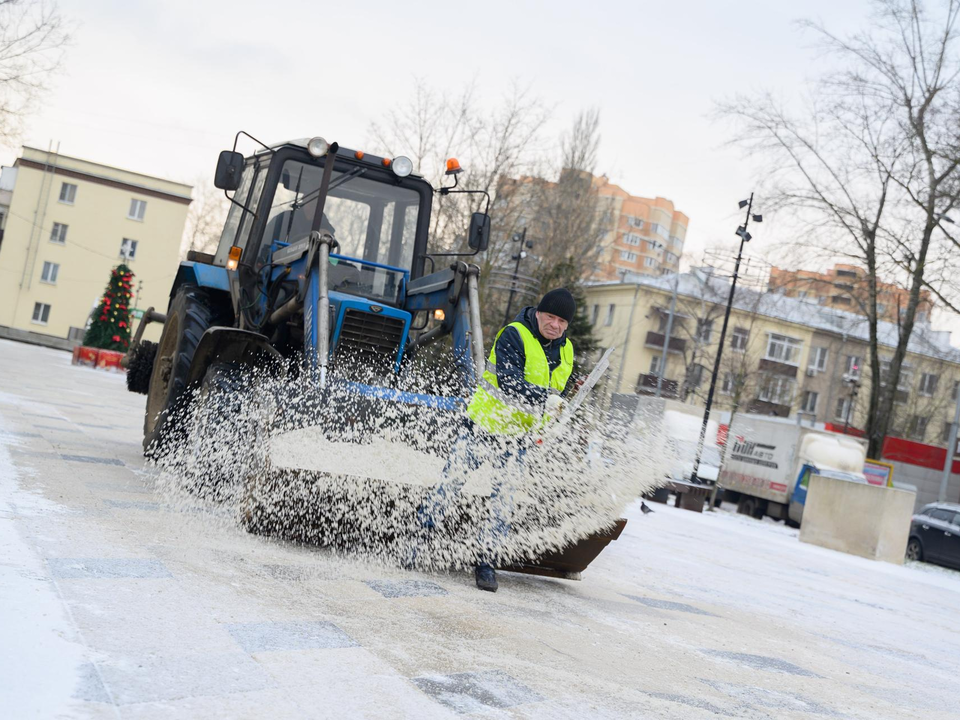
[[192, 311], [140, 367]]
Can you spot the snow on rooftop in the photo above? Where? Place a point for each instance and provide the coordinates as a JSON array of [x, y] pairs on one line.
[[701, 284]]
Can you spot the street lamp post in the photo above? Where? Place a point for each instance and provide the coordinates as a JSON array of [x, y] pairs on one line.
[[744, 238], [522, 239]]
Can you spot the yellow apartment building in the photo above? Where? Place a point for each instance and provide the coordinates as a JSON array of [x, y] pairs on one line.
[[65, 223], [782, 355]]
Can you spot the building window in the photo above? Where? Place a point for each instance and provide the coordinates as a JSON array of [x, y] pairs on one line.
[[655, 365], [922, 316], [783, 349], [928, 384], [628, 256], [841, 300], [726, 387], [128, 249], [137, 209], [660, 230], [634, 221], [68, 193], [609, 320], [802, 294], [810, 402], [818, 359], [696, 376], [917, 427], [843, 409], [945, 433], [631, 239], [776, 389], [903, 382], [41, 313], [651, 246], [50, 272], [58, 234], [704, 330], [595, 314], [649, 262], [881, 309], [956, 389], [740, 338], [671, 258], [853, 367]]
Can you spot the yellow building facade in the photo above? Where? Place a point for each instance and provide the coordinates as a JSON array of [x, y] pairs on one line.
[[782, 356], [68, 223]]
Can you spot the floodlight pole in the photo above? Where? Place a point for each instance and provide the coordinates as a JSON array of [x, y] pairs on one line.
[[742, 232]]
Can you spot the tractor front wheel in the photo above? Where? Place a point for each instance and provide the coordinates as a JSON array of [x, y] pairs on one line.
[[192, 311]]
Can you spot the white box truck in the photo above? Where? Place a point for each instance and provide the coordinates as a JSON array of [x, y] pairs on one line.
[[769, 461]]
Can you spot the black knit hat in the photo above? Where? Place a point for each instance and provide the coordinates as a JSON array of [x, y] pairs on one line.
[[559, 302]]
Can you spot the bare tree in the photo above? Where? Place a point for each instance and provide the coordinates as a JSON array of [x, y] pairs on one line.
[[870, 166], [205, 218], [491, 141], [33, 35]]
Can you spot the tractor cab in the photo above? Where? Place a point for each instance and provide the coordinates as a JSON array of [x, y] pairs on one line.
[[321, 262]]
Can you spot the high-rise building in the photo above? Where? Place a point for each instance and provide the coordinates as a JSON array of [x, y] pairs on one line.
[[644, 235], [65, 224]]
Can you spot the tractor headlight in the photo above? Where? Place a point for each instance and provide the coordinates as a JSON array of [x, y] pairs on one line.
[[318, 147], [402, 166]]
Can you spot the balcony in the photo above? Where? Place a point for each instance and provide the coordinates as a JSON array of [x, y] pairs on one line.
[[655, 340], [647, 385], [778, 368], [762, 407]]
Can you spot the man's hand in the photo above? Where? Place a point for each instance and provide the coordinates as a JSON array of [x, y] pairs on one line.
[[554, 406]]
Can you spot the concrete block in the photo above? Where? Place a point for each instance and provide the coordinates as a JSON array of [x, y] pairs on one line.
[[865, 520]]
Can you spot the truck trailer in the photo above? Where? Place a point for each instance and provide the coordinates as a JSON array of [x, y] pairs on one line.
[[769, 461]]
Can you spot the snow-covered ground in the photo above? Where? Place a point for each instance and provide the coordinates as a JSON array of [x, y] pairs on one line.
[[114, 605]]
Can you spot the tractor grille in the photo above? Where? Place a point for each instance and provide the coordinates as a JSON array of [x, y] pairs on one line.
[[370, 337]]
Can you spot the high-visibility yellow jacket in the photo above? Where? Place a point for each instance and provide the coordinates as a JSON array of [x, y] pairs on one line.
[[503, 414]]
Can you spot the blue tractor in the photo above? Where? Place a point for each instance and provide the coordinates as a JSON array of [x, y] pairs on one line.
[[323, 272], [323, 268]]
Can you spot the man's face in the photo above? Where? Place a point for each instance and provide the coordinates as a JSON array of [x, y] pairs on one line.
[[551, 326]]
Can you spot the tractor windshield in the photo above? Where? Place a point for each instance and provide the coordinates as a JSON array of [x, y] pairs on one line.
[[371, 220]]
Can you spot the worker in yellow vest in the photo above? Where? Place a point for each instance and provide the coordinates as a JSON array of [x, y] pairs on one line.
[[527, 370]]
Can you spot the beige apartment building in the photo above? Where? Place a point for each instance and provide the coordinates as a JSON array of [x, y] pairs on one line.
[[65, 223], [782, 355]]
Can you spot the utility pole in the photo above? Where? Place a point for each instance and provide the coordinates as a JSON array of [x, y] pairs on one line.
[[666, 336], [744, 238], [522, 239], [626, 341], [951, 450]]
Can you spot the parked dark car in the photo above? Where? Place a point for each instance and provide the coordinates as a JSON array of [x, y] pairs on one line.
[[935, 535]]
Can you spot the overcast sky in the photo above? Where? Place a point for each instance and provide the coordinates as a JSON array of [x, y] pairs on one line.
[[161, 87]]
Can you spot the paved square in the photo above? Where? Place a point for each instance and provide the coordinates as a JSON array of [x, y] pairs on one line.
[[475, 691], [106, 568], [257, 637], [406, 588], [669, 605], [95, 460]]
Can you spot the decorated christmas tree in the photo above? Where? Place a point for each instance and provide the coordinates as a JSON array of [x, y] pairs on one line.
[[110, 328]]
